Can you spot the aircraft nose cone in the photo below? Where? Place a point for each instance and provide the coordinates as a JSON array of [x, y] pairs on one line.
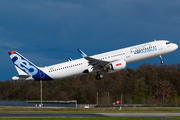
[[176, 46]]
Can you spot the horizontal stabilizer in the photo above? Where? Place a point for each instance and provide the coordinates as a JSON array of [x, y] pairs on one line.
[[22, 77]]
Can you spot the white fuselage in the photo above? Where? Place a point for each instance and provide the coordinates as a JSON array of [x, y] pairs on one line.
[[129, 54]]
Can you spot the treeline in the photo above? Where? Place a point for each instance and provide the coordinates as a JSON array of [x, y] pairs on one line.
[[144, 85]]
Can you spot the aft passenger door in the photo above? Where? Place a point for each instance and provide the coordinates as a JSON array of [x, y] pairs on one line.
[[127, 53]]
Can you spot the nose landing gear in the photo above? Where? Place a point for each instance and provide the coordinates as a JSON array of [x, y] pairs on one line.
[[162, 62]]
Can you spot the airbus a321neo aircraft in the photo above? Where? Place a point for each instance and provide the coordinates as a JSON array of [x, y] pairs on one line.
[[110, 61]]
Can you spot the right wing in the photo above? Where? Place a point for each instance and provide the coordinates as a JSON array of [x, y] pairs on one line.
[[97, 64]]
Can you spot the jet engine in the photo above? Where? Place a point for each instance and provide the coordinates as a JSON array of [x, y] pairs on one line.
[[116, 66]]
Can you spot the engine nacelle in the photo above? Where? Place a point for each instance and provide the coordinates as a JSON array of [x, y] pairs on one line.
[[116, 66]]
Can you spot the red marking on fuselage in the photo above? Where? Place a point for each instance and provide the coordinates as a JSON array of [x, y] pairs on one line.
[[118, 64]]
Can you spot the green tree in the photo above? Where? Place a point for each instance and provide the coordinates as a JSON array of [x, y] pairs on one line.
[[140, 90]]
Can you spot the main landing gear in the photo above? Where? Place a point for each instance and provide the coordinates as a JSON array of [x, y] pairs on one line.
[[99, 76], [162, 62]]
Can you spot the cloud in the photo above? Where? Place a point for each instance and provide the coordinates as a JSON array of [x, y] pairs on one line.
[[41, 59], [10, 45], [55, 29]]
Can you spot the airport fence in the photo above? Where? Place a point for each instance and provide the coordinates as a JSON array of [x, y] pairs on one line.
[[128, 105], [142, 105], [73, 103], [35, 103]]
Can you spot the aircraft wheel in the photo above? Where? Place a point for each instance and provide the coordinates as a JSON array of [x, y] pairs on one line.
[[97, 77], [101, 76]]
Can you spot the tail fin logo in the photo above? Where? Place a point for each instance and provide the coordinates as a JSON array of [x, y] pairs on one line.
[[24, 65]]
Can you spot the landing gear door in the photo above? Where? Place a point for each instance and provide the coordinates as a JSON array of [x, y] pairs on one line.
[[159, 46]]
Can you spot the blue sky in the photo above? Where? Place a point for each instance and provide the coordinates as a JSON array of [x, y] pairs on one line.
[[49, 31]]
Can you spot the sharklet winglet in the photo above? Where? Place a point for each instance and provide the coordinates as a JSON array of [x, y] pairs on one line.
[[82, 53], [70, 59]]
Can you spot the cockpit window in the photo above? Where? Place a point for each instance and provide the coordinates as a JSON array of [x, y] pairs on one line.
[[167, 43]]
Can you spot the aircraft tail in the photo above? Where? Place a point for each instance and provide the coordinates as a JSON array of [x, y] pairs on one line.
[[26, 69], [22, 65]]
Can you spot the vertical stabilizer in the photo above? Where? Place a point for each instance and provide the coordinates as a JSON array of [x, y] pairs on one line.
[[25, 67], [22, 65]]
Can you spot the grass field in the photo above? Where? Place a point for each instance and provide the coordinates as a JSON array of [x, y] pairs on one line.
[[97, 118], [90, 110], [176, 118]]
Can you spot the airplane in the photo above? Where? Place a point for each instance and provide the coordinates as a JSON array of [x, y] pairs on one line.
[[110, 61]]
